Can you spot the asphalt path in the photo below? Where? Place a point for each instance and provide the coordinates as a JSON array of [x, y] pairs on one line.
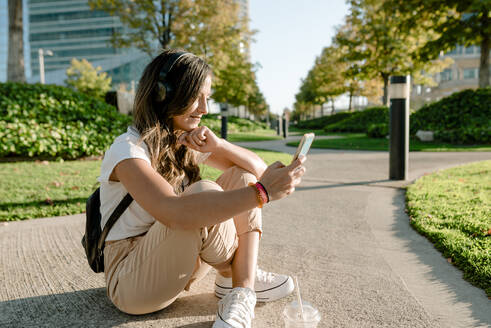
[[343, 233]]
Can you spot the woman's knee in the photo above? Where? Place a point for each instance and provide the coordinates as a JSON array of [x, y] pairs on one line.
[[202, 185], [220, 244], [235, 177]]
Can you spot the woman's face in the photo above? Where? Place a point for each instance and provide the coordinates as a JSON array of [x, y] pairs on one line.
[[191, 118]]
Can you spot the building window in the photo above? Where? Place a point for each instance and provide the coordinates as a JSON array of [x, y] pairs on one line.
[[470, 73], [469, 50], [452, 52], [446, 75]]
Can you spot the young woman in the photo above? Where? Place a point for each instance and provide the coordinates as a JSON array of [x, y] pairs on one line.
[[179, 226]]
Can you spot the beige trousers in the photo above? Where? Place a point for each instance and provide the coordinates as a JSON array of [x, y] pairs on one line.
[[147, 273]]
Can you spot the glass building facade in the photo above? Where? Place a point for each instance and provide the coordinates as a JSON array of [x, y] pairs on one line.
[[70, 29]]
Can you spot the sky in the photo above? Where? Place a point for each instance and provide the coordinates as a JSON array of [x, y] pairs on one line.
[[291, 34]]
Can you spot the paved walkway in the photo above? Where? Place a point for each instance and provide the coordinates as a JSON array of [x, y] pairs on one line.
[[344, 233]]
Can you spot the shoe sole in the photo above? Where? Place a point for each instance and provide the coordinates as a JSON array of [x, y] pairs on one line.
[[262, 295], [219, 323]]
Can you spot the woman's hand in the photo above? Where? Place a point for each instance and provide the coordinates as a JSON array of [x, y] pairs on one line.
[[201, 139], [280, 180]]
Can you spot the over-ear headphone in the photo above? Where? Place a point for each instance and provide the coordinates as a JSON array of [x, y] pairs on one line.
[[165, 88]]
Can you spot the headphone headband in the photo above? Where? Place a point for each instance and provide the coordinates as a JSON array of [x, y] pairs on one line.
[[164, 88], [168, 66]]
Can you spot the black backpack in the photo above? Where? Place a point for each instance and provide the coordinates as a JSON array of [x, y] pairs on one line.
[[94, 239]]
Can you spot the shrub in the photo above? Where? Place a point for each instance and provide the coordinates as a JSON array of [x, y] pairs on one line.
[[321, 122], [360, 121], [234, 124], [53, 121], [83, 77], [380, 130], [464, 117]]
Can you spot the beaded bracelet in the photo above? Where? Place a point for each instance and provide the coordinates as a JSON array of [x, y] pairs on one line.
[[261, 187], [261, 196]]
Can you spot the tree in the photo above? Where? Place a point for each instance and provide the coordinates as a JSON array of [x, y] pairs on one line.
[[234, 81], [454, 22], [256, 103], [212, 29], [16, 43], [376, 40], [327, 80], [83, 77]]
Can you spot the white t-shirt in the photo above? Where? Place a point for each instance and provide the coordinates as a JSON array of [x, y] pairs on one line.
[[134, 220]]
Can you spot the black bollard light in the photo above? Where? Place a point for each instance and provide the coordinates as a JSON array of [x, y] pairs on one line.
[[399, 127], [285, 127], [224, 114]]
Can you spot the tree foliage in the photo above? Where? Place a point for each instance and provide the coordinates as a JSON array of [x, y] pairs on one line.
[[211, 29], [375, 38], [256, 103], [453, 22], [83, 77]]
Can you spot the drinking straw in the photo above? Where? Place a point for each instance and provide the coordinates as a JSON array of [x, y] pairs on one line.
[[299, 299]]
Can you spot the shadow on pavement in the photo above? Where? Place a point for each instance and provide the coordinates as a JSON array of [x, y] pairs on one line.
[[92, 308], [342, 184]]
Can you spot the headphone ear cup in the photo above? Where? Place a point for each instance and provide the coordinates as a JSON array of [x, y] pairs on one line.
[[162, 92]]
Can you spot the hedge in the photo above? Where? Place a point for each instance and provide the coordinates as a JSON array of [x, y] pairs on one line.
[[360, 121], [463, 117], [234, 124], [321, 122], [54, 121]]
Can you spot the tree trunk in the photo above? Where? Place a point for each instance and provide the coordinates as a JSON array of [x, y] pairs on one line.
[[16, 45], [385, 99], [332, 106], [322, 109], [484, 62]]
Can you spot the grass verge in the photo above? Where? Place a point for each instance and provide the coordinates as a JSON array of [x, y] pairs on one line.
[[359, 141], [45, 189], [294, 131], [259, 135], [452, 208]]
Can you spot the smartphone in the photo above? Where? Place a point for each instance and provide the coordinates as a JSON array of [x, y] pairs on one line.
[[304, 145]]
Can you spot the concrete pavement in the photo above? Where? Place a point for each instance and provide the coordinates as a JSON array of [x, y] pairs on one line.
[[344, 233]]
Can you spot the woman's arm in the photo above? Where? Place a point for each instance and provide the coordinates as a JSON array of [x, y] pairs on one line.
[[154, 194], [223, 153], [228, 154]]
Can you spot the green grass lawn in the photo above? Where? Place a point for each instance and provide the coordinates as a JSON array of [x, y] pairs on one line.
[[45, 189], [298, 132], [258, 135], [359, 141], [452, 208]]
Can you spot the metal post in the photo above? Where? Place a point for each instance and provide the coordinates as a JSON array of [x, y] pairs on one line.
[[285, 127], [41, 66], [224, 114], [41, 54], [399, 127]]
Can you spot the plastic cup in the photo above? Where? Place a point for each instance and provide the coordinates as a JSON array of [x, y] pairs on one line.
[[293, 317]]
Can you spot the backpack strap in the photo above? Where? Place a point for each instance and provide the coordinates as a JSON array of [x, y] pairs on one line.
[[122, 206]]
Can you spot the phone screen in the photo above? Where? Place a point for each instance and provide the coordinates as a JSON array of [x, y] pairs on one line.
[[304, 145]]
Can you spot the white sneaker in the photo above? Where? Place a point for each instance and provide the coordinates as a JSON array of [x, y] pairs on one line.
[[268, 286], [236, 309]]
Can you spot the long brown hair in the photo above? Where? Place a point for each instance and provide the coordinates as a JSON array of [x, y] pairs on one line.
[[152, 117]]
